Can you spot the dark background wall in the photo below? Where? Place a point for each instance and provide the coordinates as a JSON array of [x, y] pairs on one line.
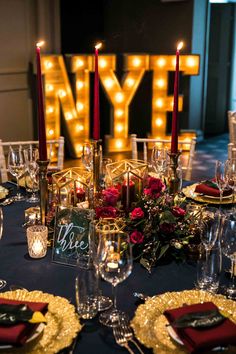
[[133, 26]]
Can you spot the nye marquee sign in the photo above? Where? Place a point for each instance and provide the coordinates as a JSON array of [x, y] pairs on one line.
[[58, 91]]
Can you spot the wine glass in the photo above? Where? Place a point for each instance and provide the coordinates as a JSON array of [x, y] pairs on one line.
[[115, 265], [230, 174], [31, 156], [210, 226], [3, 283], [16, 167], [87, 156], [220, 178], [159, 160], [104, 302], [228, 244]]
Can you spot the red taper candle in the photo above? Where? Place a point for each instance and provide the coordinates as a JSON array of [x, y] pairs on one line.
[[96, 111], [41, 117], [175, 122]]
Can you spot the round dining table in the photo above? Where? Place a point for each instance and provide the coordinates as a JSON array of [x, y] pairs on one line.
[[18, 269]]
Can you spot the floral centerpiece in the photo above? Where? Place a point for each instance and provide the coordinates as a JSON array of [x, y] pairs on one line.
[[158, 223]]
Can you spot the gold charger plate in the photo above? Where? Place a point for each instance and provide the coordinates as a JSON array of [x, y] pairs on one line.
[[189, 192], [3, 192], [149, 323], [62, 323]]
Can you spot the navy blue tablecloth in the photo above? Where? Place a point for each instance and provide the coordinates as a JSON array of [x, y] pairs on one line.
[[16, 267]]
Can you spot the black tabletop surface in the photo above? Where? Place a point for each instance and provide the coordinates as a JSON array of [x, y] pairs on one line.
[[16, 267]]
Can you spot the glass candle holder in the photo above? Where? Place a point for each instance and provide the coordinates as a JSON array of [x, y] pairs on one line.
[[71, 187], [37, 237]]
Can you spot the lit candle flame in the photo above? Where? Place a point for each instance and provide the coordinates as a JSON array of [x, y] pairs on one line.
[[98, 46], [180, 45], [40, 44]]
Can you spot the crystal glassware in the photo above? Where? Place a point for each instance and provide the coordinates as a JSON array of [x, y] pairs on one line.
[[228, 244], [159, 159], [115, 265], [16, 167], [3, 282], [86, 289], [87, 156], [31, 156], [104, 302], [37, 236], [220, 178], [210, 227]]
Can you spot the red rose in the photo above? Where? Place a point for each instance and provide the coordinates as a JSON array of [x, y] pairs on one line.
[[110, 196], [136, 237], [178, 212], [155, 187], [167, 228], [137, 213], [106, 212]]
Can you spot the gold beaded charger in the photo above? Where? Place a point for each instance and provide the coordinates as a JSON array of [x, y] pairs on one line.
[[3, 192], [149, 323], [189, 192], [62, 323]]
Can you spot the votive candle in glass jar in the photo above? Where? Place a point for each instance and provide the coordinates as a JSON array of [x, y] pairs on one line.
[[37, 237]]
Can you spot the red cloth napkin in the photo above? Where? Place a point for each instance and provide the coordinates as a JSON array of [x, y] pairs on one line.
[[19, 333], [198, 340], [210, 188]]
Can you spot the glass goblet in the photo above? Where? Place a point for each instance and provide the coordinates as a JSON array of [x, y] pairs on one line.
[[87, 156], [104, 302], [228, 244], [31, 156], [220, 179], [159, 160], [115, 265], [16, 167], [210, 227], [3, 282]]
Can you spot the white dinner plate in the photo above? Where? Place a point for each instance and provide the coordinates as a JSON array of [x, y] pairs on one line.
[[33, 336]]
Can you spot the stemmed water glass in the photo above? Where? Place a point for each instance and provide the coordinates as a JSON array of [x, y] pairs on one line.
[[16, 167], [104, 302], [228, 244], [31, 156], [115, 265], [230, 173], [210, 228], [159, 160], [3, 282], [87, 156], [221, 177]]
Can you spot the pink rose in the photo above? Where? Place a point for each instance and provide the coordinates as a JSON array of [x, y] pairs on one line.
[[167, 228], [178, 212], [137, 213], [106, 212], [110, 196], [136, 237]]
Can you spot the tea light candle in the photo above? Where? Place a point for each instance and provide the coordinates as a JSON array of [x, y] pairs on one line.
[[37, 247], [37, 236]]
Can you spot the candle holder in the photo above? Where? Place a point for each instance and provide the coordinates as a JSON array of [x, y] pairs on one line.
[[43, 189], [71, 187], [97, 159], [128, 177], [173, 179], [37, 236]]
